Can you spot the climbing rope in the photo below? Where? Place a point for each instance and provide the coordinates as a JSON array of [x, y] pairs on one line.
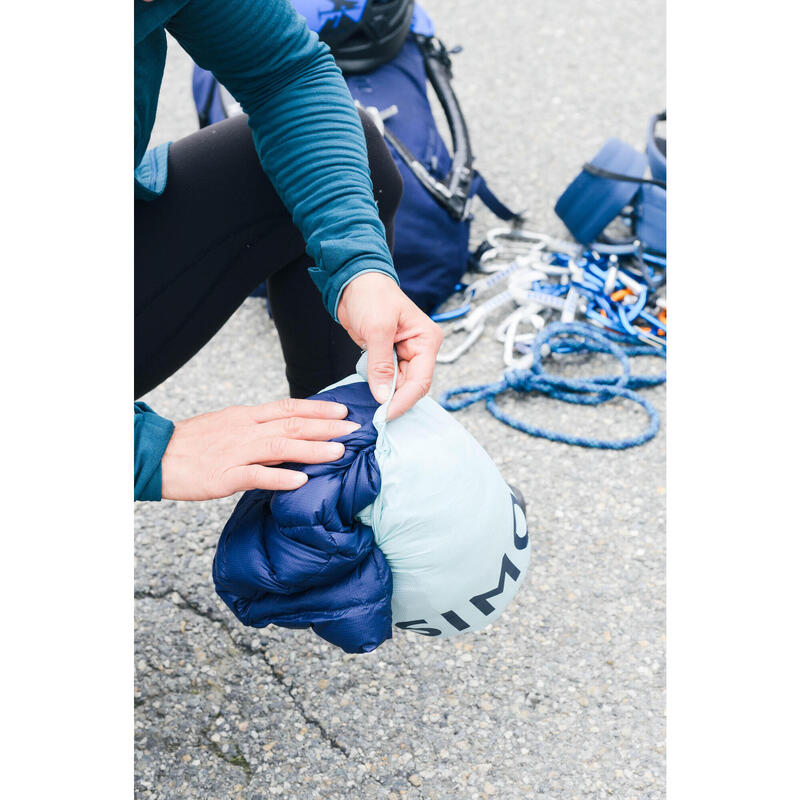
[[575, 337]]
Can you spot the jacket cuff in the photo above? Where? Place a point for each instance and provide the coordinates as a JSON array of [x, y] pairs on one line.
[[150, 177], [151, 435], [332, 286]]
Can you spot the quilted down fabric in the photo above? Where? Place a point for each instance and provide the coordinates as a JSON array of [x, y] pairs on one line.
[[413, 527], [302, 559]]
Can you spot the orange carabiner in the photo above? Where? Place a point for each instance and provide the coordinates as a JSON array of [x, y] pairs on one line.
[[662, 317]]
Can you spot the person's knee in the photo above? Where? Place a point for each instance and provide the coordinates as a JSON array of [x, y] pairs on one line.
[[387, 182], [234, 134]]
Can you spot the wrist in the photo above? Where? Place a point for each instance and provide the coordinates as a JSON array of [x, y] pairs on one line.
[[380, 274]]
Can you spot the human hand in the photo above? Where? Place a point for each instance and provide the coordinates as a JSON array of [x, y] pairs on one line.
[[379, 316], [232, 450]]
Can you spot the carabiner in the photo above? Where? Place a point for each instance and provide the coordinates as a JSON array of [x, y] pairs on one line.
[[519, 236], [474, 323], [507, 334], [473, 335]]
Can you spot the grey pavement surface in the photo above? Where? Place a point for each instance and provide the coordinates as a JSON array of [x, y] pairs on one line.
[[563, 697]]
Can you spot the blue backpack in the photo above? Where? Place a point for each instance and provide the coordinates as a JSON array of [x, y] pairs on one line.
[[432, 225]]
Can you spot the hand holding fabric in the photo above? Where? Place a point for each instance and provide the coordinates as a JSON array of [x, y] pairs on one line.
[[380, 318], [235, 449]]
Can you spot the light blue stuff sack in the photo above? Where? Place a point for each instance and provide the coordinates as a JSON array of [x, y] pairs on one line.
[[452, 531]]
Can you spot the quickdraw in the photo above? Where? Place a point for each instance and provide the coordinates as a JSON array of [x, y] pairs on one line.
[[615, 289], [474, 324], [593, 284]]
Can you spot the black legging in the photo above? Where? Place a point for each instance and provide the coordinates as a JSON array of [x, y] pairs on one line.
[[218, 231]]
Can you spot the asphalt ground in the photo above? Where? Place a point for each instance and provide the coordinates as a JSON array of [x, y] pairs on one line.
[[563, 697]]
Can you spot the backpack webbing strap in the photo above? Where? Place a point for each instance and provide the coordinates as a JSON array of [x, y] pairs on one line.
[[490, 200]]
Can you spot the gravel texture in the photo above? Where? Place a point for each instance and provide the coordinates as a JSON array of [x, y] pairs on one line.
[[563, 697]]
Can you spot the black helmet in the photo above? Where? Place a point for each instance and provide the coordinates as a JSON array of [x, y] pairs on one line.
[[362, 34]]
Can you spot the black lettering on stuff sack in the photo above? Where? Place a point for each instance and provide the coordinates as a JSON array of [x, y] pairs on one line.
[[455, 620], [406, 626], [520, 542], [481, 601]]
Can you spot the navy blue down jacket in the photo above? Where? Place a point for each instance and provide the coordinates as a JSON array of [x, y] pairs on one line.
[[301, 559]]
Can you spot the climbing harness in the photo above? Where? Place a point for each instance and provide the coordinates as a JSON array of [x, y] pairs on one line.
[[613, 185]]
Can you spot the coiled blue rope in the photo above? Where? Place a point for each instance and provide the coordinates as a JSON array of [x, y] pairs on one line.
[[573, 337]]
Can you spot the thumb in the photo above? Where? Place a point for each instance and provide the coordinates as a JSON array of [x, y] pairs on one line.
[[380, 364]]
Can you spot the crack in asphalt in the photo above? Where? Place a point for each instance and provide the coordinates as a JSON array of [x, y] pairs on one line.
[[328, 737], [238, 760]]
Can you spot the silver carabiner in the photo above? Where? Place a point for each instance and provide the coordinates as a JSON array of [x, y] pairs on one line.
[[517, 236], [474, 323], [508, 243], [508, 335], [473, 335]]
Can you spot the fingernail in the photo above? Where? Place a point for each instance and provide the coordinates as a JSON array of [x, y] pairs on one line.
[[352, 426], [334, 450], [341, 409], [301, 480], [382, 392]]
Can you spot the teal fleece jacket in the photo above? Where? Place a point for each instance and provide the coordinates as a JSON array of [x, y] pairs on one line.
[[306, 131]]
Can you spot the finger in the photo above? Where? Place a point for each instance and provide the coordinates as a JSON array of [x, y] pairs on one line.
[[311, 430], [292, 407], [380, 361], [276, 450], [418, 375], [254, 476], [402, 372]]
